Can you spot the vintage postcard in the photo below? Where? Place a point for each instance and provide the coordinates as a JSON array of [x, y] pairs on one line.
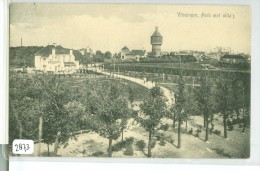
[[130, 80]]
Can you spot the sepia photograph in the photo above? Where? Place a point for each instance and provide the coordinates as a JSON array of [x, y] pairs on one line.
[[130, 80]]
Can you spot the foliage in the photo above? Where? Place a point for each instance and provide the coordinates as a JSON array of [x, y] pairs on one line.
[[152, 110], [141, 145], [170, 58], [22, 108], [205, 96], [108, 106], [129, 151], [123, 144], [22, 56], [165, 127], [222, 152], [216, 131]]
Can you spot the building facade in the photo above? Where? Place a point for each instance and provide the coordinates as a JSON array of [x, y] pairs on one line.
[[133, 54], [55, 59]]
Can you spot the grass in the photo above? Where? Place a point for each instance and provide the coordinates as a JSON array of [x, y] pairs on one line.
[[139, 92], [193, 65]]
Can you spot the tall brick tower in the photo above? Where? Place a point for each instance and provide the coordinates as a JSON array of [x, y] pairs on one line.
[[156, 41]]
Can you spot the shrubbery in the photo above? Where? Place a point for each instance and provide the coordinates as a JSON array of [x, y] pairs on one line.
[[129, 151], [123, 144], [141, 145], [222, 152]]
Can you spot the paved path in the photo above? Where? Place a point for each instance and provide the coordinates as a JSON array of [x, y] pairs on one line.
[[148, 84]]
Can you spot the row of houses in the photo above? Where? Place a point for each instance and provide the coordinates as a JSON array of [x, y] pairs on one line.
[[56, 59]]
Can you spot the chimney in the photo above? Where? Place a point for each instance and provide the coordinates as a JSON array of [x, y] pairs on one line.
[[53, 52], [71, 51]]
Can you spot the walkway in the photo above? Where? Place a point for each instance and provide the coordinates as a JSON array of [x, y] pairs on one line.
[[148, 84]]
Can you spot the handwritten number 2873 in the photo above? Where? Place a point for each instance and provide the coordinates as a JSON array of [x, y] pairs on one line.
[[20, 147]]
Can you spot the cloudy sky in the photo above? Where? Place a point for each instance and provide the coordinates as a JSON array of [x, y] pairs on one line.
[[110, 27]]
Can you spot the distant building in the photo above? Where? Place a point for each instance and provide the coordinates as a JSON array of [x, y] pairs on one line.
[[133, 54], [124, 52], [86, 51], [55, 59], [233, 59], [156, 41]]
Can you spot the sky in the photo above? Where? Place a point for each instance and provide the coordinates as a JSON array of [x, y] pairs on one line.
[[110, 27]]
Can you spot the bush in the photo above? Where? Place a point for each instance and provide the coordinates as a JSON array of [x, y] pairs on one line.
[[217, 132], [123, 144], [129, 141], [165, 127], [141, 145], [153, 143], [162, 142], [129, 151], [222, 152], [98, 154]]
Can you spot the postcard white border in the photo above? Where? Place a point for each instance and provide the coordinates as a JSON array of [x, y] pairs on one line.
[[112, 164]]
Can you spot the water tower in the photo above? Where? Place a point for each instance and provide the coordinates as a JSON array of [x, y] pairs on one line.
[[156, 41]]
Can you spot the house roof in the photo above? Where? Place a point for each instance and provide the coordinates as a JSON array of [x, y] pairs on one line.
[[125, 48], [137, 52], [46, 51], [232, 57]]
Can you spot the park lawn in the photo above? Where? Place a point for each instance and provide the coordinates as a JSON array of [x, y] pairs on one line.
[[139, 92], [188, 65]]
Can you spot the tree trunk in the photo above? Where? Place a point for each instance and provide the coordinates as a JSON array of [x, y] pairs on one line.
[[244, 121], [20, 132], [237, 111], [48, 145], [173, 121], [204, 120], [122, 132], [150, 144], [186, 126], [56, 145], [225, 124], [179, 133], [211, 121], [110, 147], [207, 128], [40, 135]]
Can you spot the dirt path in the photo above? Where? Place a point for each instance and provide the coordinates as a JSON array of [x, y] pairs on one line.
[[148, 84]]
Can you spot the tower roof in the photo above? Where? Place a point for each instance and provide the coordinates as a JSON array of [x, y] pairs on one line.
[[156, 33], [125, 48]]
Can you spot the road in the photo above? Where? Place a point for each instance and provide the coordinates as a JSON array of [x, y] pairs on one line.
[[148, 84]]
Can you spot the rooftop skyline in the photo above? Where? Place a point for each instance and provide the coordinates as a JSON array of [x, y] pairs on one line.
[[111, 27]]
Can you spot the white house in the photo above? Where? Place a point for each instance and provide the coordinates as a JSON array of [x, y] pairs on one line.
[[55, 59]]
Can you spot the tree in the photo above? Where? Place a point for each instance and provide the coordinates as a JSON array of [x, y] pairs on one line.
[[205, 98], [21, 109], [190, 107], [238, 94], [180, 100], [108, 106], [40, 90], [224, 99], [107, 55], [152, 110], [60, 121]]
